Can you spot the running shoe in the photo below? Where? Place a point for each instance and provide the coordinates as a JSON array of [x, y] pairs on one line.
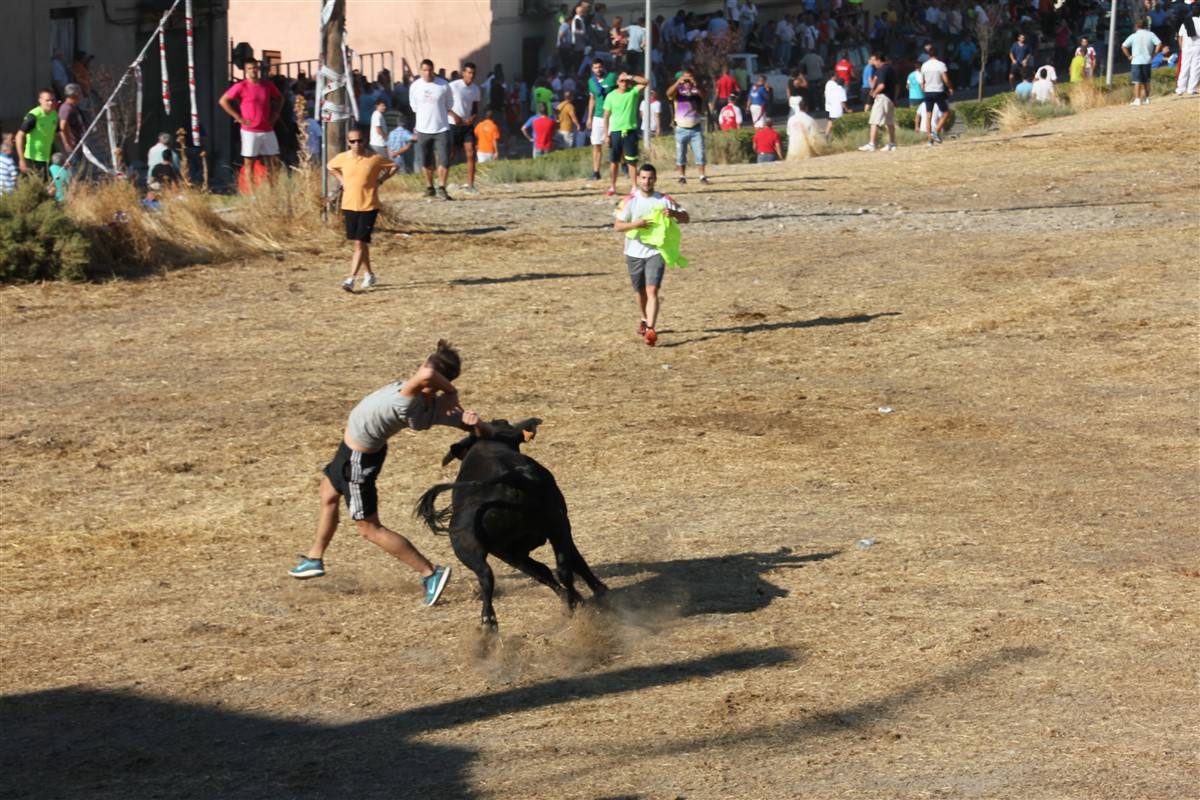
[[308, 568], [651, 337], [868, 148], [435, 583], [368, 281], [682, 179], [442, 194], [595, 176], [348, 285], [470, 190], [642, 328], [610, 192], [937, 138], [891, 147], [704, 179], [429, 192]]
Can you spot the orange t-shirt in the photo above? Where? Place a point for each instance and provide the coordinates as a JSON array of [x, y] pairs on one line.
[[487, 133], [360, 179]]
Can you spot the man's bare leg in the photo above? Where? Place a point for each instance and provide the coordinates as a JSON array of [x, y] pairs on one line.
[[393, 543], [469, 149], [327, 519], [596, 155], [650, 306], [443, 174]]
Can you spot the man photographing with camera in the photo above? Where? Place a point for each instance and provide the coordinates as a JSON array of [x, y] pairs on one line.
[[689, 122]]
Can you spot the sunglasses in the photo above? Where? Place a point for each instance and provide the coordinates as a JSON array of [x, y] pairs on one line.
[[354, 141]]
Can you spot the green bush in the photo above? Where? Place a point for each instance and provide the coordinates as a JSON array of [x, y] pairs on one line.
[[37, 240], [982, 113]]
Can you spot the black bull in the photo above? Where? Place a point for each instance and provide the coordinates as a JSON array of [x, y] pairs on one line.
[[505, 504]]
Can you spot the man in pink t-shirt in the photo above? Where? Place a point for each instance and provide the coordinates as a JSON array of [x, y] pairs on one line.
[[259, 104]]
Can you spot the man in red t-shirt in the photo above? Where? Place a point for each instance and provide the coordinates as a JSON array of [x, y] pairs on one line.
[[843, 68], [259, 104], [543, 128], [767, 147], [727, 87]]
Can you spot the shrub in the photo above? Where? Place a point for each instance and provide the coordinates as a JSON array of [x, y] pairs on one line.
[[38, 241]]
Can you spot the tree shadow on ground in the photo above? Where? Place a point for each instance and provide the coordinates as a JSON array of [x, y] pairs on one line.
[[761, 327], [732, 584], [108, 744]]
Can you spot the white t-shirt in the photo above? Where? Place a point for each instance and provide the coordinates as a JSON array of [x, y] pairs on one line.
[[430, 102], [655, 116], [463, 97], [932, 73], [1043, 90], [378, 124], [636, 206], [835, 96]]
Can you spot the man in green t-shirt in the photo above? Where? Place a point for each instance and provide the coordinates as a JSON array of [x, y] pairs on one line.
[[621, 126], [35, 137], [600, 83]]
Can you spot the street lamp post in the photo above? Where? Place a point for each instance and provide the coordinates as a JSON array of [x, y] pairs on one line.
[[646, 48], [1112, 41]]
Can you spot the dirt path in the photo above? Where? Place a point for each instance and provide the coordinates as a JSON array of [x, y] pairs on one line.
[[1023, 626]]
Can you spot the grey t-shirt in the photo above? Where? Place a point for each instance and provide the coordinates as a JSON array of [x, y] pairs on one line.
[[383, 413]]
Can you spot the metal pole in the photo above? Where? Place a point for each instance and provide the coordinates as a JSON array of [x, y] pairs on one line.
[[646, 48], [1112, 41]]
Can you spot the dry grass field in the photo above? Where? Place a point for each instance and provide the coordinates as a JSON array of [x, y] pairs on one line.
[[1024, 626]]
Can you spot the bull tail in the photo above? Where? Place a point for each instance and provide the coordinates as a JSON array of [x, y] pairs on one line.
[[438, 520], [426, 509]]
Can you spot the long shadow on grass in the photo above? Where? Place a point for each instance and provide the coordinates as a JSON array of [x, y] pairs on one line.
[[762, 327], [101, 744], [483, 231], [732, 584], [860, 717]]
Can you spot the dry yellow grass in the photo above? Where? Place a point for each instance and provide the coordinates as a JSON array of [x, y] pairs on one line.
[[1024, 625]]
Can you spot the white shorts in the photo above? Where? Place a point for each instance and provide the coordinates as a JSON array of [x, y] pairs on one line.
[[484, 157], [598, 130], [759, 115], [259, 144]]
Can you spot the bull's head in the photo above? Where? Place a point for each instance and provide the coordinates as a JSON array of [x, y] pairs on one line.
[[513, 435]]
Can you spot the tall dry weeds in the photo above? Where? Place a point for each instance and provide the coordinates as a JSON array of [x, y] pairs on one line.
[[1014, 116]]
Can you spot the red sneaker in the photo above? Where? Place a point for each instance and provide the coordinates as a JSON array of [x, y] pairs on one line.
[[651, 337], [610, 192], [642, 328]]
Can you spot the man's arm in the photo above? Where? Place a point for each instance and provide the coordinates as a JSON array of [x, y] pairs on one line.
[[620, 226], [64, 134], [949, 84], [607, 114], [671, 90], [778, 150], [20, 144], [228, 108], [591, 112]]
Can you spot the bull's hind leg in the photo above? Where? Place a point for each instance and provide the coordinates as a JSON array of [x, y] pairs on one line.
[[474, 559], [538, 571]]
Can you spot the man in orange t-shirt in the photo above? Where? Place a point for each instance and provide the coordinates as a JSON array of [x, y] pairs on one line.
[[360, 171], [487, 139]]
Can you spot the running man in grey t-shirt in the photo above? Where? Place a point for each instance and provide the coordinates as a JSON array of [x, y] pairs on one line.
[[426, 399]]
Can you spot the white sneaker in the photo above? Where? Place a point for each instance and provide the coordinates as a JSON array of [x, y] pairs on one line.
[[348, 284], [891, 147], [868, 148], [368, 281], [1136, 102], [1145, 101]]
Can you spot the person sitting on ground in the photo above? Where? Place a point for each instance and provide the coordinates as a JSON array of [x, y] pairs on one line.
[[1024, 88], [161, 161], [1043, 88], [767, 145]]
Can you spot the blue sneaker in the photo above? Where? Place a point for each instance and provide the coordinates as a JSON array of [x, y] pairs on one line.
[[435, 583], [308, 568]]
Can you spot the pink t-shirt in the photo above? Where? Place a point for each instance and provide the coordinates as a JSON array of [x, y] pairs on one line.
[[254, 103]]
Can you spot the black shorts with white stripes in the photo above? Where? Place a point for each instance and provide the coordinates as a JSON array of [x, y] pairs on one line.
[[353, 474]]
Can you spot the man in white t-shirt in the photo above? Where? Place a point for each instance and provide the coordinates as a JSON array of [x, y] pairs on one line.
[[379, 129], [1043, 88], [464, 113], [835, 103], [645, 263], [429, 97], [936, 84]]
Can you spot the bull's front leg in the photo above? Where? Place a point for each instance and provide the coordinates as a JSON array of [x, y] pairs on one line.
[[564, 569]]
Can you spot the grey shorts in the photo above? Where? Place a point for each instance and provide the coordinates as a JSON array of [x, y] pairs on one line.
[[645, 272], [429, 145]]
